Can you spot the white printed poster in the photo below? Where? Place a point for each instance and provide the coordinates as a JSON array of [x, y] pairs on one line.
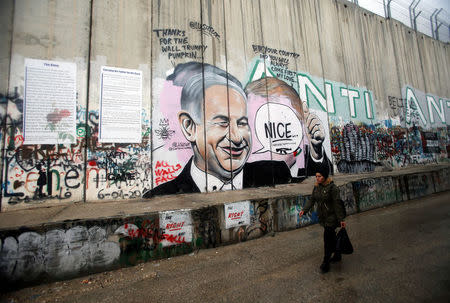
[[120, 105], [237, 214], [176, 227], [49, 115]]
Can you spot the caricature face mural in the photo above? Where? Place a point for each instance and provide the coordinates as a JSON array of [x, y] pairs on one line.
[[262, 136], [223, 140], [212, 117], [286, 127], [278, 113]]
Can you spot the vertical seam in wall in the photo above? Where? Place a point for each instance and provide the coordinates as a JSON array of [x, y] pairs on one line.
[[423, 76], [421, 63], [391, 26], [293, 12], [437, 68], [366, 61], [342, 49], [243, 32], [86, 125], [204, 101], [228, 95], [151, 96], [4, 162], [323, 83], [267, 93]]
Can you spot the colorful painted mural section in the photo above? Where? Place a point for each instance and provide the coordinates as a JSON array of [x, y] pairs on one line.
[[206, 130], [220, 136], [34, 174], [415, 131], [210, 133]]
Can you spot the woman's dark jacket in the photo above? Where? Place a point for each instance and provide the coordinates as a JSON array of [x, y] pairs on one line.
[[326, 196]]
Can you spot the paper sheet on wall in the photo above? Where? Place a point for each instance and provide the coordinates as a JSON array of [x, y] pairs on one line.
[[175, 227], [120, 105], [49, 102], [237, 214]]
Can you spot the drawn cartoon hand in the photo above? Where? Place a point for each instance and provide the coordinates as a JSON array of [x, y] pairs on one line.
[[315, 132]]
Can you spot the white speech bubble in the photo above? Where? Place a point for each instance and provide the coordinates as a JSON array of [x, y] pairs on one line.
[[282, 134]]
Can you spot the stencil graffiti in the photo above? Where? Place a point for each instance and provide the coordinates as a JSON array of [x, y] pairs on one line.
[[164, 132]]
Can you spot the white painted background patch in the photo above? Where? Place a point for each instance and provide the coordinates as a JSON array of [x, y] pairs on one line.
[[237, 214]]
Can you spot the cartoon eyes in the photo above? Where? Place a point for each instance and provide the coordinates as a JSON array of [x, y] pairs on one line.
[[222, 123]]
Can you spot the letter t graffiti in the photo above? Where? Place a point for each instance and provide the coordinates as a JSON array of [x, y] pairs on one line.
[[352, 95]]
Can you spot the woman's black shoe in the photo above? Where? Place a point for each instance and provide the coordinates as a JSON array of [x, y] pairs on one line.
[[325, 267]]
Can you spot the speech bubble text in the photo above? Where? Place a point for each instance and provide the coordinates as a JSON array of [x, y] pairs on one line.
[[278, 129]]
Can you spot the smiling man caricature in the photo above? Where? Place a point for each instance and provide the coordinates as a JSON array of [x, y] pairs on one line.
[[213, 118]]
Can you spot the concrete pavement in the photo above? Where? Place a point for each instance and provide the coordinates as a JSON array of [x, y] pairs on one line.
[[401, 255]]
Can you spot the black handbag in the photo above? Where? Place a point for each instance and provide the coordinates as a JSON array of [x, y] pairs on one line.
[[343, 244]]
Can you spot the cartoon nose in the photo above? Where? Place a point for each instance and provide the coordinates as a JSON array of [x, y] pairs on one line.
[[235, 135]]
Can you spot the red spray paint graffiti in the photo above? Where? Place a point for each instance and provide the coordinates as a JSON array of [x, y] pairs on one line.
[[165, 172]]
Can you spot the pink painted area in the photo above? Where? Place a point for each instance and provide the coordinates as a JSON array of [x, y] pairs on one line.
[[253, 104], [169, 107]]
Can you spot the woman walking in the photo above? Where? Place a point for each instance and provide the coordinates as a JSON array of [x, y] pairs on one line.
[[326, 195]]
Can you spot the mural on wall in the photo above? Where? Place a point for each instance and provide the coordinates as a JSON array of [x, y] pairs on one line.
[[216, 126], [282, 125], [271, 128], [335, 105], [425, 117], [211, 131]]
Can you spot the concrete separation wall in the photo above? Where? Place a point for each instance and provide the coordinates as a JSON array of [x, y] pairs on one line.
[[298, 84], [34, 253]]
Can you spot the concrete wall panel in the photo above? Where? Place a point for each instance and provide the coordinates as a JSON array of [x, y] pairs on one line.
[[324, 50], [46, 30], [420, 185], [428, 57], [443, 62], [330, 41], [6, 23], [176, 27], [118, 170], [352, 45], [307, 41], [381, 65]]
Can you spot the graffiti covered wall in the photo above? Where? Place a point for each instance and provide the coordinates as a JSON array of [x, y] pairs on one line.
[[73, 248], [198, 99]]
